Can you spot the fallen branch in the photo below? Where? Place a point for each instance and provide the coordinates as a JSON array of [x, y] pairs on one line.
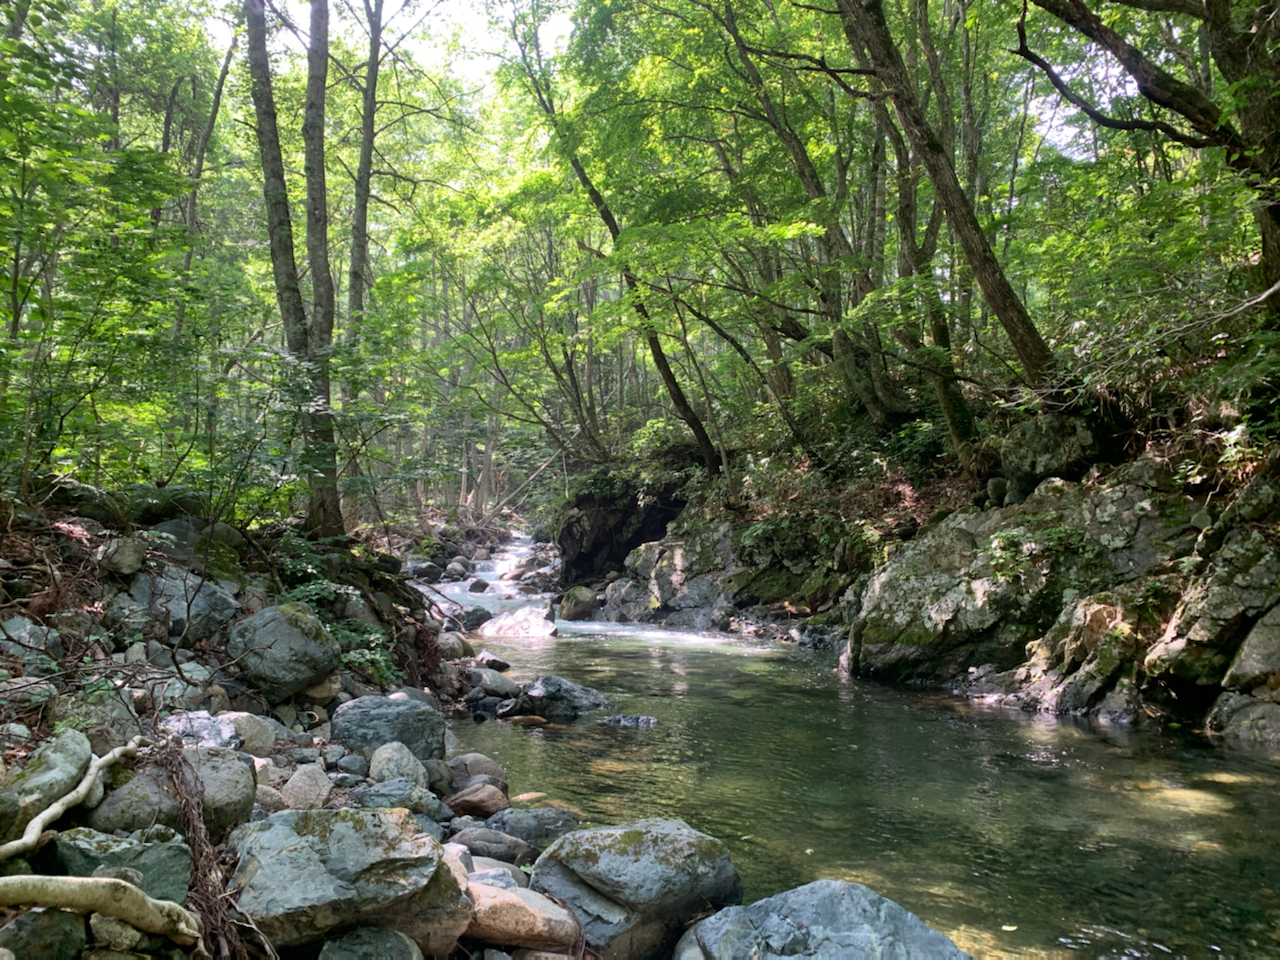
[[105, 895], [31, 836]]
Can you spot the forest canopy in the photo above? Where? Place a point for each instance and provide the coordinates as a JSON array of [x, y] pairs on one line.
[[373, 261]]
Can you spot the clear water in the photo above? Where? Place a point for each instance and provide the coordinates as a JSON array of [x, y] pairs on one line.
[[1013, 835]]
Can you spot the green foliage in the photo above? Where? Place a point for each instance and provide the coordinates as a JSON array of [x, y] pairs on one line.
[[368, 650], [314, 591], [1014, 550], [918, 447]]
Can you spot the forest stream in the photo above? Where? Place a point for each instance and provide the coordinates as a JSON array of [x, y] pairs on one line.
[[1011, 834]]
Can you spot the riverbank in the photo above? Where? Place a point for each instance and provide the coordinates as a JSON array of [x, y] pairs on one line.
[[1136, 595], [194, 732]]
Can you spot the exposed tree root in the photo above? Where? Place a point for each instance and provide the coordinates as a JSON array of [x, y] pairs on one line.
[[31, 836], [105, 895]]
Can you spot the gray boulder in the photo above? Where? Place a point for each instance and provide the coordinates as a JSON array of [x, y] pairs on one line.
[[366, 723], [467, 765], [304, 873], [578, 603], [108, 719], [634, 886], [627, 601], [488, 863], [147, 798], [392, 761], [402, 792], [535, 620], [473, 617], [35, 645], [492, 682], [496, 846], [540, 826], [977, 586], [308, 788], [123, 555], [45, 933], [176, 538], [381, 942], [828, 919], [229, 788], [184, 600], [1244, 719], [284, 649], [225, 781], [494, 877], [49, 774], [1240, 586], [1257, 662], [198, 728], [257, 732], [561, 700], [159, 854], [453, 646], [426, 571], [1051, 445]]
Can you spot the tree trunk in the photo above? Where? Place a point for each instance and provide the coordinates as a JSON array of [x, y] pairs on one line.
[[358, 276], [324, 515], [197, 169], [684, 410], [866, 26]]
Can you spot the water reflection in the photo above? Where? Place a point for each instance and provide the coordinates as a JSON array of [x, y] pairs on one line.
[[1014, 835]]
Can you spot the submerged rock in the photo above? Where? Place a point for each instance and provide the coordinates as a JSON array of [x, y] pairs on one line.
[[556, 699], [827, 918]]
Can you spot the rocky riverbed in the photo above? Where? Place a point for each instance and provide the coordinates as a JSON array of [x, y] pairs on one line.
[[215, 772]]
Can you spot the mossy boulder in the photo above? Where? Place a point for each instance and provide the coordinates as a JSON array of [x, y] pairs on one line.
[[284, 649], [979, 586], [633, 887], [578, 603], [303, 873], [49, 774]]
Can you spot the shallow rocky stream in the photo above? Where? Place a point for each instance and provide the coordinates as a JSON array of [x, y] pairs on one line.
[[1011, 834]]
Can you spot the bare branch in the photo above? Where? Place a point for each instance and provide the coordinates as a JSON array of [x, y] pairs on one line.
[[1094, 114]]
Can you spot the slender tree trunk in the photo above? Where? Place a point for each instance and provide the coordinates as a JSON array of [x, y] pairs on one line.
[[684, 410], [866, 26], [197, 169], [306, 342], [358, 275], [324, 516], [17, 19]]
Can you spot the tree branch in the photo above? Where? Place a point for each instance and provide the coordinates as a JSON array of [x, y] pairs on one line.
[[1094, 114]]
